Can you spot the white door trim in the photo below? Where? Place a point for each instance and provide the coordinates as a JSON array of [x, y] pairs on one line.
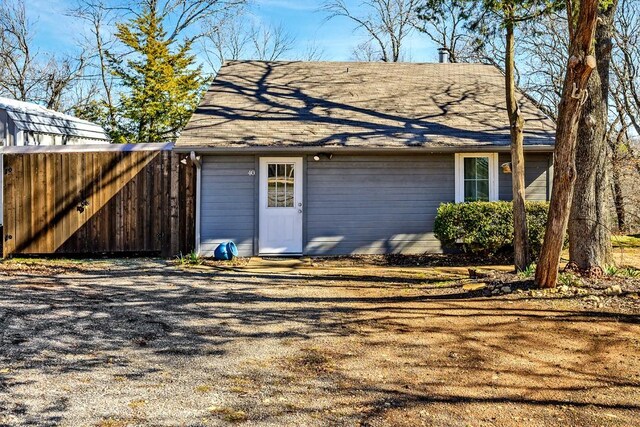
[[286, 241]]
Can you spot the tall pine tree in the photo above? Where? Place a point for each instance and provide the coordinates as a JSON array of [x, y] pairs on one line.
[[162, 84]]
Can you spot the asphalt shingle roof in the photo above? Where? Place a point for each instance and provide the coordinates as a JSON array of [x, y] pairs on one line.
[[358, 104]]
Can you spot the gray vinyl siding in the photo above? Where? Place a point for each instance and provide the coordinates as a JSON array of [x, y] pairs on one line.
[[227, 210], [355, 204], [375, 204], [537, 176]]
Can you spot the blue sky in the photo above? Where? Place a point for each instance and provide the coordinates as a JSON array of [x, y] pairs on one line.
[[59, 33], [336, 36]]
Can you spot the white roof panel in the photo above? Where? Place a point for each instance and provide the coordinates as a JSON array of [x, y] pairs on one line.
[[34, 118]]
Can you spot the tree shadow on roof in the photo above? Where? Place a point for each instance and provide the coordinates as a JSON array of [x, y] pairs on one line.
[[294, 115]]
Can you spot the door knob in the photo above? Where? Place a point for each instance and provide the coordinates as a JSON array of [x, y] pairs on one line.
[[299, 210]]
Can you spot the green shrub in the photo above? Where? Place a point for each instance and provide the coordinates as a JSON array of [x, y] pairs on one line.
[[487, 227]]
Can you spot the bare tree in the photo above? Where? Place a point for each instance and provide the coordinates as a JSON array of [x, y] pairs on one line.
[[235, 37], [101, 18], [365, 52], [181, 18], [27, 74], [18, 75], [446, 23], [543, 53], [227, 38], [625, 108], [186, 22], [313, 52], [626, 64], [58, 76], [271, 42], [620, 153], [386, 22]]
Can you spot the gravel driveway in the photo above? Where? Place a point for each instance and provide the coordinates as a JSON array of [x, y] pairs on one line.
[[141, 342]]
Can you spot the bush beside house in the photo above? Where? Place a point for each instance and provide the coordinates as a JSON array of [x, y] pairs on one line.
[[487, 227]]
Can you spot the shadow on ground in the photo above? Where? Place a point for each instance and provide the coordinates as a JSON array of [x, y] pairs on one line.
[[210, 347]]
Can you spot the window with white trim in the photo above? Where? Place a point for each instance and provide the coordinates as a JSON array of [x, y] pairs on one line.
[[476, 177]]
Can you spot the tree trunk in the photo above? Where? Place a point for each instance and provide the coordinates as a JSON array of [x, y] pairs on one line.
[[618, 198], [579, 68], [618, 193], [589, 228], [516, 122]]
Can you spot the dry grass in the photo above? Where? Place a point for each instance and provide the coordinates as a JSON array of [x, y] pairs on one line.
[[229, 414], [310, 360], [628, 257], [375, 345], [243, 384], [204, 388], [114, 422], [626, 241], [137, 404]]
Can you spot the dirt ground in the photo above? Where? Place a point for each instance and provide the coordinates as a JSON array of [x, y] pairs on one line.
[[143, 342]]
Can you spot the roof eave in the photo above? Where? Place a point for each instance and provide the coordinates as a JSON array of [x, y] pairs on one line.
[[203, 149]]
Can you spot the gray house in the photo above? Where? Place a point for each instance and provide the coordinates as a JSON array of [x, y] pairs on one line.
[[332, 158]]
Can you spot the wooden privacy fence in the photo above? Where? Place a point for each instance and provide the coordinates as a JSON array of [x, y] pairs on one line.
[[121, 199]]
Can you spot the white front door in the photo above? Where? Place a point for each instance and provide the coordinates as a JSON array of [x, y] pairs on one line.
[[280, 205]]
